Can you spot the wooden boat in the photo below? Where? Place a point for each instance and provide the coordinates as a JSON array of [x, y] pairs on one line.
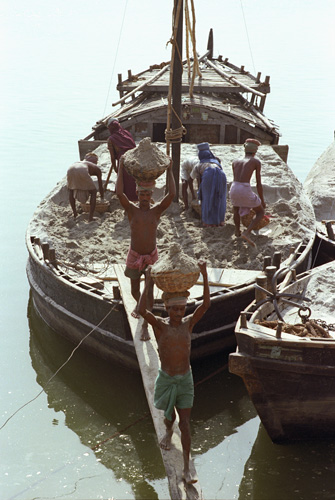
[[320, 187], [290, 378], [89, 307], [75, 304], [226, 105]]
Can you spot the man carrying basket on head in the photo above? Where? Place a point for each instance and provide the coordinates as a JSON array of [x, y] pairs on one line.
[[143, 220], [174, 388]]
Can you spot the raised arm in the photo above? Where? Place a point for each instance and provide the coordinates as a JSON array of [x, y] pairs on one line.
[[168, 198], [200, 310], [119, 187]]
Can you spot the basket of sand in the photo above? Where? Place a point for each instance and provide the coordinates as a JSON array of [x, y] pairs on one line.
[[101, 206], [176, 271], [146, 162]]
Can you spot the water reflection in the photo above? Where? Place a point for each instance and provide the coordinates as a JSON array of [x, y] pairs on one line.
[[296, 471], [105, 405]]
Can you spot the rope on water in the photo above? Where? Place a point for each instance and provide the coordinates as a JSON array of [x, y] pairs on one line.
[[59, 369]]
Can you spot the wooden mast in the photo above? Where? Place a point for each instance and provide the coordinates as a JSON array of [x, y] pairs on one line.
[[176, 93]]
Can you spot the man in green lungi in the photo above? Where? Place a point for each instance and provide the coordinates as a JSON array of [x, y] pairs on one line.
[[174, 386]]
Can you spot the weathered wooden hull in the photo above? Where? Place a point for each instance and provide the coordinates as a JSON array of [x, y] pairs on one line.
[[75, 311], [290, 380]]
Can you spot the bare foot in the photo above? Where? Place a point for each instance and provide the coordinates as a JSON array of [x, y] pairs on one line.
[[189, 478], [135, 314], [247, 239], [165, 443], [145, 334]]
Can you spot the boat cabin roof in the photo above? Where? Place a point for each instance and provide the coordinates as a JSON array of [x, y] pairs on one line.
[[217, 75]]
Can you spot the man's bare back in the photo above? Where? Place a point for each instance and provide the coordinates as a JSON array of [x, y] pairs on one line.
[[243, 168]]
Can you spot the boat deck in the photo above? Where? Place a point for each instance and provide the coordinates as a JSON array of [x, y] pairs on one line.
[[220, 280]]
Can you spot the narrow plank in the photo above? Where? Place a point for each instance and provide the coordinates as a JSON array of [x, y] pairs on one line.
[[148, 359]]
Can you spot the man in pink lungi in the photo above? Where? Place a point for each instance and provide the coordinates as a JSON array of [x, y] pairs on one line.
[[241, 194], [143, 220]]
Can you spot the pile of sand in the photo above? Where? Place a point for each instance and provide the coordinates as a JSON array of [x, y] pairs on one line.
[[175, 260], [146, 162], [320, 185], [106, 240]]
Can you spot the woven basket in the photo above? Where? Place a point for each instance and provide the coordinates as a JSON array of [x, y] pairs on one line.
[[174, 281], [99, 207], [246, 219], [140, 173]]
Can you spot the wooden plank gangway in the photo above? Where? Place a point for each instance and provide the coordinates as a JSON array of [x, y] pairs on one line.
[[148, 359]]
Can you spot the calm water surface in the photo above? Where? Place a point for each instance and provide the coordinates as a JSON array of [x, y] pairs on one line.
[[88, 434]]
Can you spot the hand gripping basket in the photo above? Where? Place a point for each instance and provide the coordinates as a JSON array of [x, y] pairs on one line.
[[176, 272], [246, 219], [174, 280], [146, 162]]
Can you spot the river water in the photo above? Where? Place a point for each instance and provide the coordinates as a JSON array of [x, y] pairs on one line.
[[87, 433]]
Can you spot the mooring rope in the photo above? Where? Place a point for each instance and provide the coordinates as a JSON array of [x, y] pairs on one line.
[[59, 369]]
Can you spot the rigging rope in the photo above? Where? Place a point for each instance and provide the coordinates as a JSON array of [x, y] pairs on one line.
[[116, 54], [246, 29], [175, 136]]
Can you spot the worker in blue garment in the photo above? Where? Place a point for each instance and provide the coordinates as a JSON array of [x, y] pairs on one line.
[[212, 182]]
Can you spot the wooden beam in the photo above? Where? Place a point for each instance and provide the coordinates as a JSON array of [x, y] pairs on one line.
[[176, 122], [233, 79], [148, 359], [142, 85]]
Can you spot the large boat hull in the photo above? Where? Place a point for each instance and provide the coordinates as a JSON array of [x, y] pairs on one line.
[[83, 313]]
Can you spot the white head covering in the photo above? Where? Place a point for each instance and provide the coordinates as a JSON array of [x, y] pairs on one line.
[[176, 301]]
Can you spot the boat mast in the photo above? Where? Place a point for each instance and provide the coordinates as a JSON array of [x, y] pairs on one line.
[[176, 91]]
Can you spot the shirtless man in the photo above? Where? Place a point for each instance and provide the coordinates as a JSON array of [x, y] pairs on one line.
[[81, 185], [242, 196], [143, 220], [174, 386]]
